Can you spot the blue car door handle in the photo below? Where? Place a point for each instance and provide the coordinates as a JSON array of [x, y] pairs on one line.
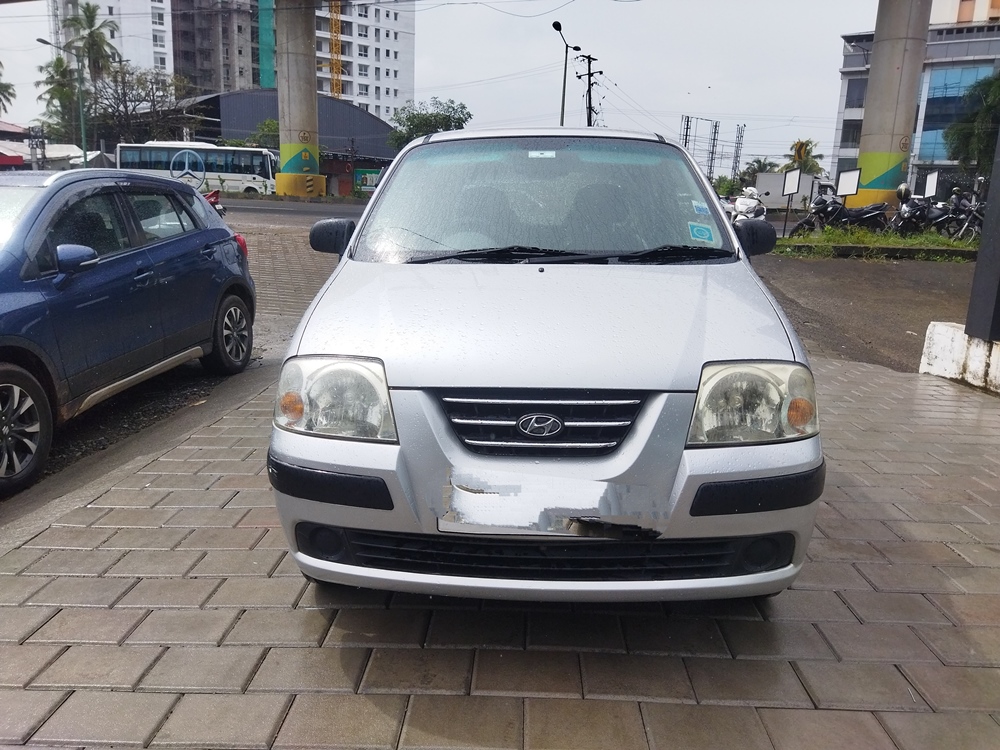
[[143, 276]]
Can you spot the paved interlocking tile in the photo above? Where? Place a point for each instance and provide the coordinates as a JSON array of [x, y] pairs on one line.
[[378, 627], [746, 683], [330, 596], [20, 664], [703, 727], [636, 678], [905, 578], [905, 609], [184, 627], [106, 718], [830, 576], [476, 629], [956, 688], [80, 592], [553, 631], [185, 669], [196, 499], [235, 539], [806, 606], [346, 722], [155, 593], [552, 724], [311, 670], [24, 711], [935, 731], [88, 626], [257, 592], [226, 563], [858, 686], [281, 627], [969, 609], [129, 498], [696, 636], [792, 729], [964, 646], [142, 518], [155, 563], [408, 670], [775, 640], [17, 560], [207, 517], [462, 721], [17, 624], [98, 667], [528, 673], [876, 642], [135, 539], [223, 721], [80, 517], [69, 537]]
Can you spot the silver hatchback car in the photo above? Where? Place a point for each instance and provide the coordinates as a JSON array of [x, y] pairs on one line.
[[544, 369]]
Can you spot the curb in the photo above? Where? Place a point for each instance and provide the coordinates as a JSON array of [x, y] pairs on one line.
[[890, 253]]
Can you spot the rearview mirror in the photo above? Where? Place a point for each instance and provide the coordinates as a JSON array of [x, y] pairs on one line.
[[756, 237], [331, 235]]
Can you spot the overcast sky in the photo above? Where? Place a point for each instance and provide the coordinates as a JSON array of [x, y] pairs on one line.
[[772, 65]]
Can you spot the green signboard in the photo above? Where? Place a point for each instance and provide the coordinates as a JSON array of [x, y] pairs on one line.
[[366, 179]]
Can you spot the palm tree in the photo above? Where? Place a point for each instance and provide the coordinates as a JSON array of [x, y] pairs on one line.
[[7, 94], [753, 168], [973, 138], [60, 93], [91, 38], [802, 157]]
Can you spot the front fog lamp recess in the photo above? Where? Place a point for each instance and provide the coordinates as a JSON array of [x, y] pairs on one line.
[[753, 402], [335, 397]]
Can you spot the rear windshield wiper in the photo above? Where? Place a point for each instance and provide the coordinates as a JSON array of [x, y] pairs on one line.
[[511, 253]]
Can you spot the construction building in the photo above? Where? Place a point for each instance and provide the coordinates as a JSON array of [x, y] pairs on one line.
[[364, 48], [963, 46]]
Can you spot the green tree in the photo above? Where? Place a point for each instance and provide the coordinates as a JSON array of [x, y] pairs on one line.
[[7, 93], [972, 139], [725, 185], [755, 167], [60, 84], [803, 157], [414, 120], [91, 38]]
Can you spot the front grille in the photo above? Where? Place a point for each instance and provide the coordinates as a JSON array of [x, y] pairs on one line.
[[593, 423], [548, 560]]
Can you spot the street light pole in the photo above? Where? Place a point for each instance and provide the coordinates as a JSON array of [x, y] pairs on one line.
[[79, 94], [562, 111]]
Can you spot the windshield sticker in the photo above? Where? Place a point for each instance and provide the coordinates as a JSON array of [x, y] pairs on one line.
[[541, 154], [700, 208], [701, 233]]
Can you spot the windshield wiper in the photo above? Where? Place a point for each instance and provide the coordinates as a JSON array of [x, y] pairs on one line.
[[512, 253], [662, 254]]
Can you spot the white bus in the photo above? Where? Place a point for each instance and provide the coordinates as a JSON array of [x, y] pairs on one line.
[[202, 165]]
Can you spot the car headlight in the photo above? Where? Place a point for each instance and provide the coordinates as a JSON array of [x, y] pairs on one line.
[[335, 397], [753, 402]]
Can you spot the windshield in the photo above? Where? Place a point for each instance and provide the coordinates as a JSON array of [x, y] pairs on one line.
[[13, 202], [586, 196]]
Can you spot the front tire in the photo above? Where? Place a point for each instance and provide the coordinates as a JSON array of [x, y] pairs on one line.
[[806, 226], [232, 338], [25, 429]]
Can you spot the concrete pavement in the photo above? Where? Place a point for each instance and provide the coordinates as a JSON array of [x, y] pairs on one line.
[[159, 608]]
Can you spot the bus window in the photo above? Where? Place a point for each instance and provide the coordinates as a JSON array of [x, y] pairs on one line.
[[128, 158]]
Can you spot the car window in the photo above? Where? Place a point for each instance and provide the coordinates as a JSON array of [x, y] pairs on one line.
[[93, 221], [158, 216], [583, 195], [199, 207], [13, 201]]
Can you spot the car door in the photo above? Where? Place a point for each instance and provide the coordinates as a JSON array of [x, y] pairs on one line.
[[186, 263], [105, 318]]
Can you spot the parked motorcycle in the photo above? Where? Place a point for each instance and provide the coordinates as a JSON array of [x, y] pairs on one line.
[[918, 214], [749, 206], [829, 210], [216, 202]]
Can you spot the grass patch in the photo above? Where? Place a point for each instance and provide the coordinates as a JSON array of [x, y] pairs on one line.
[[875, 246]]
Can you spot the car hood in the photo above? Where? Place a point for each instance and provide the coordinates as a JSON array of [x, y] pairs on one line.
[[648, 327]]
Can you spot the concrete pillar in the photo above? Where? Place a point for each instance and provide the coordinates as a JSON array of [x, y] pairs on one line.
[[897, 61], [298, 120]]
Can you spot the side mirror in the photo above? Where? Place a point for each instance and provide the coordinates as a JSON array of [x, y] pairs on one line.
[[756, 237], [71, 260], [331, 235], [767, 192]]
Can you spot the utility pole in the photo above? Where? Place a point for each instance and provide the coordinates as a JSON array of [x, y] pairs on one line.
[[685, 130], [712, 149], [589, 75]]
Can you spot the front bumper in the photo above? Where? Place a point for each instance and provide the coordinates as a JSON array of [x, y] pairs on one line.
[[429, 486]]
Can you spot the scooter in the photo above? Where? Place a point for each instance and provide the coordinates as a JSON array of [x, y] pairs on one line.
[[216, 202], [749, 206]]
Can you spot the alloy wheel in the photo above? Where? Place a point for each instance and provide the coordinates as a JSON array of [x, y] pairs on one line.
[[235, 334], [20, 427]]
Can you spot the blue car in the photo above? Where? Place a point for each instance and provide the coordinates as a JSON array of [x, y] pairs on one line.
[[107, 278]]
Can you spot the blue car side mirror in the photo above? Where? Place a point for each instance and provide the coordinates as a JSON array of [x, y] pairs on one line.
[[73, 259]]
